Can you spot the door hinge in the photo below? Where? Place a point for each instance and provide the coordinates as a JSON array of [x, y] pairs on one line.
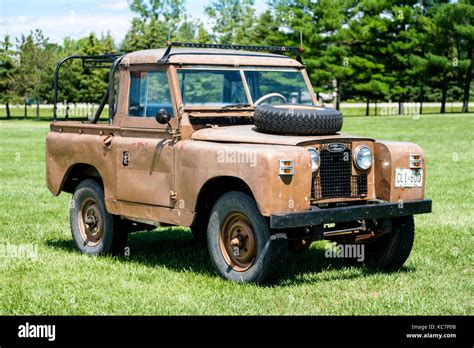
[[175, 134], [174, 195]]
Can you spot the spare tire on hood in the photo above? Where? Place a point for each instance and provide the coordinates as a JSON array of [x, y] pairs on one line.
[[297, 119]]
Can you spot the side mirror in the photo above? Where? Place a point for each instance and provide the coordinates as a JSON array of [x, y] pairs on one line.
[[163, 116]]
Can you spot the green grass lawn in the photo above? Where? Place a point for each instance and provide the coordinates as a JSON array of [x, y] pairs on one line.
[[167, 274]]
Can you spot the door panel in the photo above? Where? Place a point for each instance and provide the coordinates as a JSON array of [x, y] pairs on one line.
[[147, 174], [145, 150]]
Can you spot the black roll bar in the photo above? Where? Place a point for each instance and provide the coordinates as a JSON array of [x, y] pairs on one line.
[[100, 61], [111, 91]]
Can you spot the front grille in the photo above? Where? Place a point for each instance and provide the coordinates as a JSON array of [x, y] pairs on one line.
[[334, 178]]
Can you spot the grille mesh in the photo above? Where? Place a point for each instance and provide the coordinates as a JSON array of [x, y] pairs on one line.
[[334, 178]]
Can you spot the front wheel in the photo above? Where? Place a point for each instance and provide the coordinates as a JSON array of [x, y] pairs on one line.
[[390, 251], [240, 244]]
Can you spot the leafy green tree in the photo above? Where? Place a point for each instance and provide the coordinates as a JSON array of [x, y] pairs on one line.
[[7, 73], [232, 20], [34, 78], [317, 27], [457, 22], [28, 75], [159, 21], [70, 73], [93, 82], [403, 41], [266, 30], [443, 56]]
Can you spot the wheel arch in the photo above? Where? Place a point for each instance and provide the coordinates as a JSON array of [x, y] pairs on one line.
[[76, 173], [214, 188]]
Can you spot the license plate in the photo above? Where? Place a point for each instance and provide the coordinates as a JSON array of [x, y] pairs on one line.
[[405, 177]]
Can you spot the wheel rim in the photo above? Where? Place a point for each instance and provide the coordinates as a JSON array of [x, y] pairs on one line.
[[237, 242], [91, 223]]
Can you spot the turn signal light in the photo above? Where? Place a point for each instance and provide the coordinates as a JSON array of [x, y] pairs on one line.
[[415, 161], [287, 167]]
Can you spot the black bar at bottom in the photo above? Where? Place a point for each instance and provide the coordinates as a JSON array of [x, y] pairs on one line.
[[320, 216], [85, 331]]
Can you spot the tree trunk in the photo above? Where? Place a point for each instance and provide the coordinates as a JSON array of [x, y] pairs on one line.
[[367, 110], [422, 96], [25, 115], [7, 105], [444, 93], [467, 83], [37, 110]]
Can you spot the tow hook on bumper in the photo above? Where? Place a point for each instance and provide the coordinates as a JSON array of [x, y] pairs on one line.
[[375, 210]]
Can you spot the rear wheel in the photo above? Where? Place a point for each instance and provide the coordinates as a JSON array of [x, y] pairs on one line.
[[239, 241], [94, 230], [390, 251]]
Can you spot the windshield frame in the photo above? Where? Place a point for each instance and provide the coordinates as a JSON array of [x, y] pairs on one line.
[[242, 70]]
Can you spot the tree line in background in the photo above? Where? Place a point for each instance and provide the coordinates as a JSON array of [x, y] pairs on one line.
[[370, 50]]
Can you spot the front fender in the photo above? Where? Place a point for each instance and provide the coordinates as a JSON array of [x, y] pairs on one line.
[[390, 155], [255, 164]]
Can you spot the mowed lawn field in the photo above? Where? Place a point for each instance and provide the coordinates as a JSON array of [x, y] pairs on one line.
[[166, 274]]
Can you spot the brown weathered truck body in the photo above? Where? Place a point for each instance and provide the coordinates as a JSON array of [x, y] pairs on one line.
[[171, 174]]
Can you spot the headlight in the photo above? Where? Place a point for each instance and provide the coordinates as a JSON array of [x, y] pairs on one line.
[[363, 157], [315, 159]]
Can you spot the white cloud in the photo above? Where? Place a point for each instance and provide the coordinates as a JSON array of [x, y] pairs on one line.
[[114, 5], [108, 15], [72, 25]]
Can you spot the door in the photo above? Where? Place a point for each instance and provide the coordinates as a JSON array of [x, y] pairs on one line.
[[146, 150]]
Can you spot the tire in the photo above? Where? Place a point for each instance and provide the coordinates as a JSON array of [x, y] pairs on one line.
[[94, 230], [199, 231], [390, 251], [295, 119], [261, 256]]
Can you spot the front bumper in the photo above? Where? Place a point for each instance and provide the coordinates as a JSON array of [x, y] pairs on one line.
[[373, 210]]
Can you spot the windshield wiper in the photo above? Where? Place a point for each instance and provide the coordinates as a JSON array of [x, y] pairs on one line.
[[233, 106]]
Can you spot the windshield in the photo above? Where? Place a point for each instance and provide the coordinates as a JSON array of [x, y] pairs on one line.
[[286, 87], [221, 88], [211, 87]]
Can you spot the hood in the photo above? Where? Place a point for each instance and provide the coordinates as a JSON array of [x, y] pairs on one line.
[[250, 134]]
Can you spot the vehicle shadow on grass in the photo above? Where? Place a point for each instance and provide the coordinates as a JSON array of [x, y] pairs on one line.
[[172, 248], [301, 267], [175, 249]]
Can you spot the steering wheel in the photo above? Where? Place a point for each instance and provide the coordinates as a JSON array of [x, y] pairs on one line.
[[268, 96]]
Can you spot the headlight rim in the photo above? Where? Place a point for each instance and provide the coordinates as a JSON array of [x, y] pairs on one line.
[[356, 154], [310, 149]]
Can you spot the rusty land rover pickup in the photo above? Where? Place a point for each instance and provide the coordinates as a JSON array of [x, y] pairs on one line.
[[231, 142]]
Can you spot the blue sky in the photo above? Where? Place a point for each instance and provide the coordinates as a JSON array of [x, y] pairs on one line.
[[61, 18]]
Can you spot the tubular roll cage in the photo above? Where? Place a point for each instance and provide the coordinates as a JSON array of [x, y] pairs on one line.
[[101, 61], [111, 61]]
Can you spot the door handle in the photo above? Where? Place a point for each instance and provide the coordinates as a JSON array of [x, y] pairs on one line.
[[107, 141]]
